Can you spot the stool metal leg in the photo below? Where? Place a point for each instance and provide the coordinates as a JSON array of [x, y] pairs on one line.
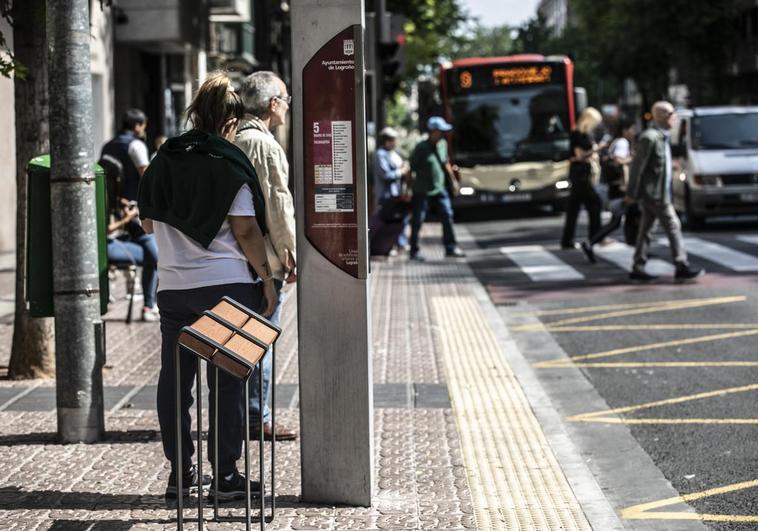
[[215, 443], [261, 449], [248, 522], [178, 464], [273, 429], [199, 393]]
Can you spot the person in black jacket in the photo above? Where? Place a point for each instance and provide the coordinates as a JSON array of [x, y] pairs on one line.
[[584, 171], [201, 198]]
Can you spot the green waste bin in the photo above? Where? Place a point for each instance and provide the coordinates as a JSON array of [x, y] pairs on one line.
[[39, 245]]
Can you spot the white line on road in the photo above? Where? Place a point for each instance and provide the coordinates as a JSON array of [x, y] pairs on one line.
[[748, 238], [623, 255], [719, 254], [539, 264]]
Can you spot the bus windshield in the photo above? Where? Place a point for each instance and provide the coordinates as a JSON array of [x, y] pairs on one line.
[[521, 124], [725, 131]]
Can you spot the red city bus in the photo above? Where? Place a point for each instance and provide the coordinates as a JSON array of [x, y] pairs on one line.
[[512, 117]]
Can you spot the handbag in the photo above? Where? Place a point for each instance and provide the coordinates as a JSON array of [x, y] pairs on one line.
[[395, 209]]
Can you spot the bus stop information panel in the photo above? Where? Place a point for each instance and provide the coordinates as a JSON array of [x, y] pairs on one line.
[[329, 129]]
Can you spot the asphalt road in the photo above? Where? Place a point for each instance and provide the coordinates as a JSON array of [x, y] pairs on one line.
[[677, 364]]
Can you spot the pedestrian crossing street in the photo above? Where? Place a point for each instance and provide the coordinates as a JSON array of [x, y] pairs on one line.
[[547, 264]]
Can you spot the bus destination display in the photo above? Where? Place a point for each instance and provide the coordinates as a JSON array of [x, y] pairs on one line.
[[502, 76]]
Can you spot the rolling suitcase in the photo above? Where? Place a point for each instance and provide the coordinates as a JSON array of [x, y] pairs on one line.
[[383, 235]]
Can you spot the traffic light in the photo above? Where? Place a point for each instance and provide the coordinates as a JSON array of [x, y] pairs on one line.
[[392, 55]]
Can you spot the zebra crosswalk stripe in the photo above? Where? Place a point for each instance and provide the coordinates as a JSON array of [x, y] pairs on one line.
[[540, 264], [748, 238], [719, 254], [623, 255]]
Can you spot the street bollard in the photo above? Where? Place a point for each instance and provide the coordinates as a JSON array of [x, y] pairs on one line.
[[234, 339]]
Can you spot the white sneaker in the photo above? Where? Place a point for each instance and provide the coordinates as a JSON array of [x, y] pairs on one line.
[[151, 315]]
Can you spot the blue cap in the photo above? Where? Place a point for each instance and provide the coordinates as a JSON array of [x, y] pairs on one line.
[[438, 123]]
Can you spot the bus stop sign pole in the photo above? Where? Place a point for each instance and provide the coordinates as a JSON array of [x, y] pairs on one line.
[[336, 404]]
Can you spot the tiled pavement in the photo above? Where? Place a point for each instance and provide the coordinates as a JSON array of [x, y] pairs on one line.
[[422, 474]]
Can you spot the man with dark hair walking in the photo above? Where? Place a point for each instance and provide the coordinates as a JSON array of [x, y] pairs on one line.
[[129, 148]]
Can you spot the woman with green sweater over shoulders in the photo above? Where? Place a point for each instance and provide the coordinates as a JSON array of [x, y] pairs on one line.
[[202, 200]]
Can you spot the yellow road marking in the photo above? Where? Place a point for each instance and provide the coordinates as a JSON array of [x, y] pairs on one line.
[[603, 416], [606, 307], [643, 510], [681, 305], [645, 327], [663, 364], [514, 478], [568, 362]]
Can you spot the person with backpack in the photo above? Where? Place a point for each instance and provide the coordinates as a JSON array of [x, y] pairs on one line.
[[127, 241], [614, 171], [129, 148]]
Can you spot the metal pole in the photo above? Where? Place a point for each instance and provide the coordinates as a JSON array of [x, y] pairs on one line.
[[261, 449], [199, 399], [215, 443], [248, 523], [178, 464], [79, 382], [273, 429], [380, 8]]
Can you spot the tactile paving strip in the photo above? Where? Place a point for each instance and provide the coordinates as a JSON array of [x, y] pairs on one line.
[[514, 478]]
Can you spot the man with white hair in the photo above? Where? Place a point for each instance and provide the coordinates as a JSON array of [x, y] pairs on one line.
[[650, 181], [266, 105]]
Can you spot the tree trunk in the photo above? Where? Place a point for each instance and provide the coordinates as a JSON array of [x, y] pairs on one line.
[[33, 350]]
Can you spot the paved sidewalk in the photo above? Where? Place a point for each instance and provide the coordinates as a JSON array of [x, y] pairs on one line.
[[457, 443]]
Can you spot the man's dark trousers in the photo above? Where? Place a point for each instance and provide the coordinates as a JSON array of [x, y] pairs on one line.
[[180, 308], [444, 208]]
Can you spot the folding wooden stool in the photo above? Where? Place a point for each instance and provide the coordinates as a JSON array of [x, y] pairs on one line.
[[232, 338]]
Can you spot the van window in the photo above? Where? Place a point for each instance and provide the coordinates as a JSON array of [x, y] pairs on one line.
[[725, 131]]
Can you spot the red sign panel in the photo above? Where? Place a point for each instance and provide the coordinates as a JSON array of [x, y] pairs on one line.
[[329, 129]]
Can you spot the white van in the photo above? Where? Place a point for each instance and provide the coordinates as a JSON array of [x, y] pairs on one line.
[[717, 151]]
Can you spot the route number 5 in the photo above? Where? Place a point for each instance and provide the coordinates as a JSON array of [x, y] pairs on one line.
[[315, 128]]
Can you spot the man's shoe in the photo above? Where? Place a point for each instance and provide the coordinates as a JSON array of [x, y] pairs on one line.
[[641, 276], [282, 433], [455, 253], [189, 483], [588, 252], [234, 488], [684, 273], [416, 257], [569, 246]]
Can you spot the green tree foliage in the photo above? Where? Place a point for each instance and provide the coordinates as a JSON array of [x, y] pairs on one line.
[[8, 63], [432, 31], [654, 43], [483, 41]]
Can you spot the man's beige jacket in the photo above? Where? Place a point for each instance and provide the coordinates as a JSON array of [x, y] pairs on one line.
[[270, 163]]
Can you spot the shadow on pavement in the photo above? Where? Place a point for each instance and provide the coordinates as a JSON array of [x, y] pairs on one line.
[[111, 437], [14, 498], [99, 525]]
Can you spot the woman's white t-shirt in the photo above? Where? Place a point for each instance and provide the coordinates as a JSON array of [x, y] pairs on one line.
[[620, 148], [185, 264]]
